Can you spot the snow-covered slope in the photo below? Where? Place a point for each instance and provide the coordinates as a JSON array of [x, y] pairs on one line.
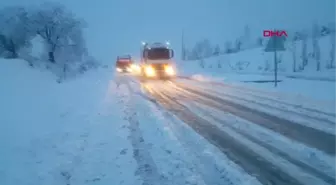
[[256, 61], [54, 133], [255, 65]]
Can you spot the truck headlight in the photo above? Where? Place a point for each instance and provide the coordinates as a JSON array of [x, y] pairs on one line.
[[169, 70], [149, 70], [118, 69]]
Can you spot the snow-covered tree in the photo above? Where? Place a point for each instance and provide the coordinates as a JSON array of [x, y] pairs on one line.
[[316, 46], [332, 49], [15, 31], [188, 55], [228, 47], [304, 53], [207, 48], [246, 39], [201, 62], [217, 50], [296, 36], [324, 31], [60, 29], [238, 44], [294, 55], [259, 42], [219, 63], [202, 49]]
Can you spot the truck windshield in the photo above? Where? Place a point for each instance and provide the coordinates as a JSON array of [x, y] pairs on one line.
[[158, 53]]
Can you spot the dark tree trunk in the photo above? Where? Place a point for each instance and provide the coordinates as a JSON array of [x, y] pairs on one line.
[[51, 56]]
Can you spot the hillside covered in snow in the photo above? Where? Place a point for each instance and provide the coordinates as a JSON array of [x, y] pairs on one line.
[[310, 56]]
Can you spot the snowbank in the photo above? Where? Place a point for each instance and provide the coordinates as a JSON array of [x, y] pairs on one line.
[[69, 133]]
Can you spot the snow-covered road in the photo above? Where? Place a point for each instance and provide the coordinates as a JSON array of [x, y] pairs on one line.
[[105, 129], [276, 141]]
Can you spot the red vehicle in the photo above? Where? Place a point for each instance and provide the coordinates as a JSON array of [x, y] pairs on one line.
[[124, 64]]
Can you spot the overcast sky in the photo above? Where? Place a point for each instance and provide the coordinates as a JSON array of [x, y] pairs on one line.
[[118, 26]]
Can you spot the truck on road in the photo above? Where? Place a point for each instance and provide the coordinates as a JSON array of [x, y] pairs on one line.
[[157, 61]]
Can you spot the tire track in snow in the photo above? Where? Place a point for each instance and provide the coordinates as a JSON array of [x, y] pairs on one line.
[[288, 128], [298, 114], [249, 160], [288, 109], [307, 109], [305, 166], [271, 96], [188, 100], [208, 160], [147, 168], [169, 153]]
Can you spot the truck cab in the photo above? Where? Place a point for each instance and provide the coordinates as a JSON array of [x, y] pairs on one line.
[[157, 61]]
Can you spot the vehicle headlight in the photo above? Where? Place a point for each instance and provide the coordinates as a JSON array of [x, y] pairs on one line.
[[169, 70], [118, 69], [149, 70], [135, 67]]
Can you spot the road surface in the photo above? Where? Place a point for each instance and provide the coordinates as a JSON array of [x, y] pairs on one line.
[[207, 114]]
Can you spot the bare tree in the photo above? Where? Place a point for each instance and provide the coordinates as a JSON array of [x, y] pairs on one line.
[[316, 47], [56, 26]]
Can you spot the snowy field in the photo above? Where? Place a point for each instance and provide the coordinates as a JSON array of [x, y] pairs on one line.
[[248, 68]]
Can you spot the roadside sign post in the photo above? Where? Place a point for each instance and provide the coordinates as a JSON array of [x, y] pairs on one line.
[[275, 67], [275, 43]]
